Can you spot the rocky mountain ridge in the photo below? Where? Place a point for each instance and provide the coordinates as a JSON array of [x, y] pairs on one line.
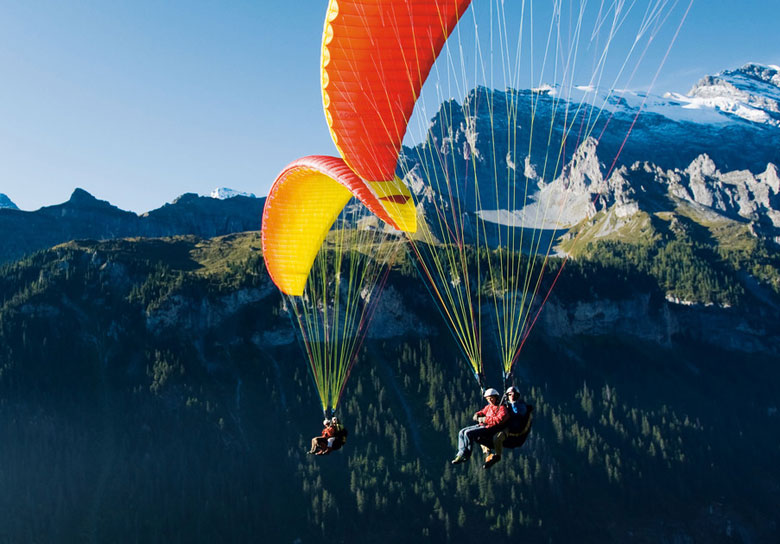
[[85, 217], [751, 92], [675, 152], [582, 190]]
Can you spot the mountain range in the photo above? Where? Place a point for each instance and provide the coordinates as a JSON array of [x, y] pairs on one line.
[[714, 148], [85, 217], [714, 151]]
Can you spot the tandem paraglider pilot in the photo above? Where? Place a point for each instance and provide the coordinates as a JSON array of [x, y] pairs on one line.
[[332, 438], [491, 417], [511, 434]]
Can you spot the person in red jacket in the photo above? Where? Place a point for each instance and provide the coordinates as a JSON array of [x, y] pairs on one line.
[[333, 436], [320, 443], [489, 419]]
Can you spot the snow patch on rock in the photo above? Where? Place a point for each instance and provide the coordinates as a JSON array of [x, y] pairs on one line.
[[223, 193]]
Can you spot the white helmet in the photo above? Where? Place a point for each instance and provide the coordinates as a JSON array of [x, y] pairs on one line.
[[326, 422], [335, 420], [491, 393]]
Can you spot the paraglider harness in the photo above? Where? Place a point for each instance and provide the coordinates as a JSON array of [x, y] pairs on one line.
[[518, 427], [340, 437]]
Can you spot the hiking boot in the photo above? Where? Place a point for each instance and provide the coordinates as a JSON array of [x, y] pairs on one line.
[[459, 459], [491, 460]]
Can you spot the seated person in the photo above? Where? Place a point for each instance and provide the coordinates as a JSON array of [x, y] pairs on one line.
[[332, 438], [490, 419]]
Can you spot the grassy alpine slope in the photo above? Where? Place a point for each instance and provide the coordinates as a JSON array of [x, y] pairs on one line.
[[152, 390]]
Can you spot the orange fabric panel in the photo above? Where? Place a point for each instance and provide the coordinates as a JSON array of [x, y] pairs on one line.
[[376, 55], [304, 201]]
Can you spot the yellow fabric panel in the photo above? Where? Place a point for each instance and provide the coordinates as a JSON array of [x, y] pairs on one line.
[[396, 199], [389, 188], [296, 223]]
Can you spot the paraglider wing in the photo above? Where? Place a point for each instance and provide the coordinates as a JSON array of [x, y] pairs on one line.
[[304, 201], [375, 58]]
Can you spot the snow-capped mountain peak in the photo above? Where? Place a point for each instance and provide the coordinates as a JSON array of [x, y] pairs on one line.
[[223, 193], [751, 92]]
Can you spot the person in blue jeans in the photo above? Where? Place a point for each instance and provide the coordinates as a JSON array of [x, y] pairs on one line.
[[492, 416]]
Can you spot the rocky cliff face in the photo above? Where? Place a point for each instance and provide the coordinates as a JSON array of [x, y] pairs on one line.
[[581, 191], [643, 317], [554, 154], [715, 149], [405, 310]]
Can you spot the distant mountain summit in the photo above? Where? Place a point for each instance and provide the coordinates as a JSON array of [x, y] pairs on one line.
[[751, 93], [223, 193], [6, 203]]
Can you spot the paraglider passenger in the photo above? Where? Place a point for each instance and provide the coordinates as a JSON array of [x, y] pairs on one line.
[[333, 437], [489, 419], [319, 443], [514, 434]]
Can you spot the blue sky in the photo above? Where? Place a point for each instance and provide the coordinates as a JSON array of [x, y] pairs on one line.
[[139, 102]]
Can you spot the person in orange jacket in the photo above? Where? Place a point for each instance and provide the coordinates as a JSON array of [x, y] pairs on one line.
[[491, 417], [320, 443], [333, 436]]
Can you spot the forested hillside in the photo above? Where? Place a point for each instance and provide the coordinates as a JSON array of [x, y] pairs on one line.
[[153, 391]]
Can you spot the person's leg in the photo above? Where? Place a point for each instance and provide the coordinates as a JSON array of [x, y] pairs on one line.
[[464, 440], [498, 442], [470, 435]]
